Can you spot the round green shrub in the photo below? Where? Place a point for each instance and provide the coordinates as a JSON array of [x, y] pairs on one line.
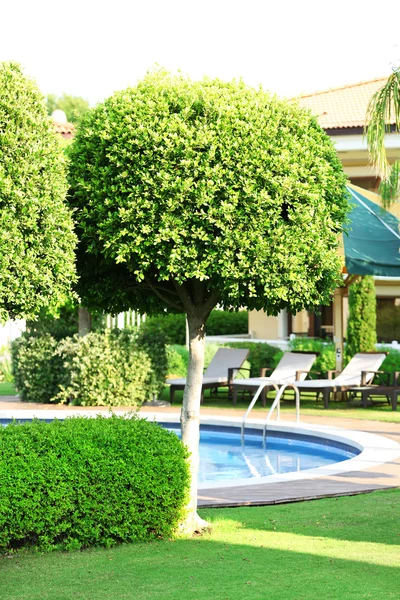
[[84, 482], [38, 371], [105, 369]]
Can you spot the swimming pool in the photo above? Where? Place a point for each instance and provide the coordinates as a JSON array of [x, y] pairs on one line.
[[224, 457], [373, 450]]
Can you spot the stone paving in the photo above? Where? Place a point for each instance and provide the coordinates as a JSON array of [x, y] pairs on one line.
[[383, 476]]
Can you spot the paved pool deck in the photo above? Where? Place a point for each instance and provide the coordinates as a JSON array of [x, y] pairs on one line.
[[378, 476]]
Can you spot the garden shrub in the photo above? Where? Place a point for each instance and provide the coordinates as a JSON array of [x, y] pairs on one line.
[[105, 369], [5, 365], [84, 482], [388, 323], [108, 368], [361, 326], [222, 322], [38, 370], [326, 360], [178, 358], [154, 344], [260, 355], [173, 326]]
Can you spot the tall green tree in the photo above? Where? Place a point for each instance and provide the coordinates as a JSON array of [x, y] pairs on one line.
[[37, 241], [383, 108], [73, 106], [191, 194], [361, 326]]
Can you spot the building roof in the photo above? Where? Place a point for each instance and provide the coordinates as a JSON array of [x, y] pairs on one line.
[[66, 130], [342, 107]]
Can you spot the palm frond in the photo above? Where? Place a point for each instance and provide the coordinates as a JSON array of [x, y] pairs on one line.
[[389, 189], [384, 105]]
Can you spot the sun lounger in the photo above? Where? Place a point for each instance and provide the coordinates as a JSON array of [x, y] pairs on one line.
[[360, 371], [219, 373], [293, 366]]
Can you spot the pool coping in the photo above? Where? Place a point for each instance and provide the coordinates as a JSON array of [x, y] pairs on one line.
[[375, 449], [376, 468]]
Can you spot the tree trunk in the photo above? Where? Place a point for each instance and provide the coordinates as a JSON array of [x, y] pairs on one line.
[[190, 416], [84, 321]]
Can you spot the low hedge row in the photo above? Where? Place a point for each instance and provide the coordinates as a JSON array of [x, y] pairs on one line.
[[83, 482], [326, 360], [219, 322], [260, 355], [108, 368]]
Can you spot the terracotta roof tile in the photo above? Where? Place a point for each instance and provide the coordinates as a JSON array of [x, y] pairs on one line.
[[67, 130], [342, 107]]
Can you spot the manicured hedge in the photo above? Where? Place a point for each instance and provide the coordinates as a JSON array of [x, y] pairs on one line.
[[220, 322], [83, 482], [326, 360], [172, 326], [260, 355]]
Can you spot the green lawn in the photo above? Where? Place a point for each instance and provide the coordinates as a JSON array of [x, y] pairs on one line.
[[343, 548], [379, 412], [7, 389]]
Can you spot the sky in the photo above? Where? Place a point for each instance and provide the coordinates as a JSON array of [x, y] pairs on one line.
[[93, 48]]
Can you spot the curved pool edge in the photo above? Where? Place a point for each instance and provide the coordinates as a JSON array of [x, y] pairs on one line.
[[375, 449], [378, 463]]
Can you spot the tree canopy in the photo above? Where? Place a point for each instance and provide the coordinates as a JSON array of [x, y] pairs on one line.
[[73, 106], [205, 188], [37, 240], [188, 194]]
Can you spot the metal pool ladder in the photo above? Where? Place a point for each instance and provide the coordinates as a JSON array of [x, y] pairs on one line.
[[276, 404]]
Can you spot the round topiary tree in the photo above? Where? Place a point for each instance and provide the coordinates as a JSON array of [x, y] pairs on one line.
[[189, 194], [37, 240], [361, 327]]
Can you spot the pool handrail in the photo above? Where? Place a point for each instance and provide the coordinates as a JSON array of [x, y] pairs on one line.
[[275, 404]]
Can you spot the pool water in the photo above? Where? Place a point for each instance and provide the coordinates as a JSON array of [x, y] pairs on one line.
[[223, 457]]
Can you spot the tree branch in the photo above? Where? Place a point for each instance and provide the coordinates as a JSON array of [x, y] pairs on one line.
[[162, 297], [211, 302], [184, 296]]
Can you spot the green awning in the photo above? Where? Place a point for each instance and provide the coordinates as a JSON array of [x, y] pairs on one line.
[[372, 241]]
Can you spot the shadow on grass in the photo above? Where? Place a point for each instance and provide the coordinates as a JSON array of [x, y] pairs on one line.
[[266, 567], [371, 518]]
